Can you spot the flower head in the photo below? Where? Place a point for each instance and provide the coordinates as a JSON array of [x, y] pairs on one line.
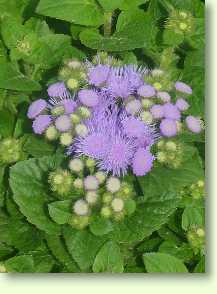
[[88, 97], [98, 75], [164, 96], [146, 91], [133, 106], [194, 124], [182, 87], [168, 127], [142, 162], [91, 183], [171, 111], [133, 127], [113, 184], [41, 123], [157, 111], [182, 104], [36, 108], [63, 123], [58, 90]]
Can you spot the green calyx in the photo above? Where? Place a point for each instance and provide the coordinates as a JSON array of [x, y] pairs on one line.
[[61, 182]]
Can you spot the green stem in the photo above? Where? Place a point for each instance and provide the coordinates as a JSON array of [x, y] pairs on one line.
[[107, 23]]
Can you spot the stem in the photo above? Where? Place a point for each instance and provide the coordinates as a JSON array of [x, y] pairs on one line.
[[107, 23]]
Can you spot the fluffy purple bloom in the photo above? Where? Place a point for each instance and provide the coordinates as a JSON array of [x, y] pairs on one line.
[[118, 155], [58, 90], [63, 123], [182, 87], [88, 97], [164, 96], [142, 162], [98, 75], [135, 75], [133, 127], [133, 106], [182, 104], [36, 108], [168, 127], [146, 91], [41, 123], [193, 124], [157, 111], [171, 111]]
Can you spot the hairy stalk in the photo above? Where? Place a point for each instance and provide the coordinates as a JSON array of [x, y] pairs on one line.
[[107, 24]]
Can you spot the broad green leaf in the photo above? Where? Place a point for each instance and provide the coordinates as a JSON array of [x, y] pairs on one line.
[[37, 147], [184, 252], [171, 38], [109, 259], [5, 251], [28, 181], [192, 217], [83, 12], [20, 264], [43, 261], [58, 249], [100, 226], [163, 263], [60, 211], [149, 217], [12, 79], [13, 8], [201, 266], [162, 179], [130, 34], [2, 52], [83, 246], [7, 121]]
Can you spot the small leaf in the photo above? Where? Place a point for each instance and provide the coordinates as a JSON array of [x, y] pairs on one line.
[[100, 226], [60, 211], [191, 217], [163, 263], [109, 259], [20, 264], [37, 147]]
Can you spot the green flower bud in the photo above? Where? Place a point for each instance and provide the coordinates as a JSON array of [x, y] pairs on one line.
[[78, 184], [90, 163], [72, 84], [147, 103], [84, 112], [117, 204], [157, 86], [161, 157], [76, 165], [118, 216], [171, 146], [81, 207], [51, 133], [58, 110], [79, 222], [61, 182], [101, 176], [91, 197], [196, 238], [146, 117], [10, 150], [75, 118], [161, 144], [81, 130], [106, 212], [107, 197], [66, 139]]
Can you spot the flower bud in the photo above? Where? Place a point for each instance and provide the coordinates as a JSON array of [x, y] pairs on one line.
[[146, 117], [84, 112], [75, 119], [10, 150], [81, 207], [51, 133], [91, 183], [117, 204], [171, 146], [147, 103], [66, 139], [76, 165], [101, 176], [72, 84], [113, 184], [161, 157], [81, 130], [91, 197], [106, 212], [107, 197], [79, 222], [90, 163], [58, 110], [78, 184], [61, 182]]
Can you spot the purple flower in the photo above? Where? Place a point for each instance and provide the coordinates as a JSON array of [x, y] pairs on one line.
[[171, 111], [164, 96], [135, 75], [119, 84], [146, 91], [168, 127], [63, 123], [182, 104], [88, 97], [118, 155], [157, 111], [182, 87], [133, 106], [133, 127], [142, 162], [69, 105], [193, 124], [58, 90], [41, 123], [36, 108], [98, 75]]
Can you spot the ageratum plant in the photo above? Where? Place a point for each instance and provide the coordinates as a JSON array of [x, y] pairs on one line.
[[102, 137]]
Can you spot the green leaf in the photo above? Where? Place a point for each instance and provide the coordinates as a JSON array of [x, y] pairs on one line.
[[149, 217], [5, 251], [12, 79], [109, 259], [83, 246], [162, 179], [184, 252], [191, 217], [37, 147], [7, 121], [60, 211], [163, 263], [100, 226], [201, 266], [13, 8], [59, 250], [29, 185], [83, 12], [20, 264], [131, 33]]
